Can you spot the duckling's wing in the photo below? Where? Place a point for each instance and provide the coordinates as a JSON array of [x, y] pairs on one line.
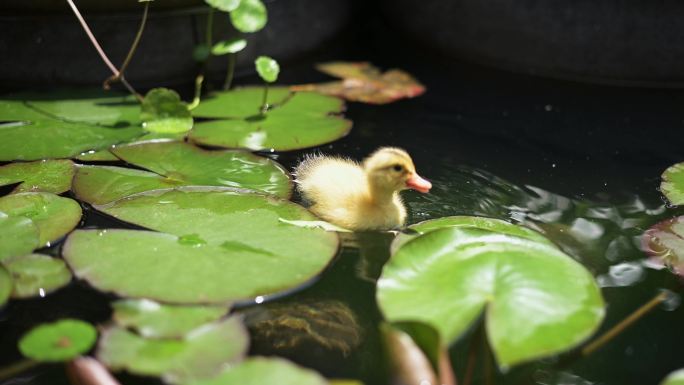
[[326, 180]]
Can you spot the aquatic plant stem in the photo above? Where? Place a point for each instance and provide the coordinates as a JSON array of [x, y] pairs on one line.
[[230, 71], [446, 371], [264, 104], [473, 348], [199, 80], [624, 324], [100, 51], [131, 51], [16, 368]]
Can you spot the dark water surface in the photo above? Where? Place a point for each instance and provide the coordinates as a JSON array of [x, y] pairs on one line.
[[580, 163]]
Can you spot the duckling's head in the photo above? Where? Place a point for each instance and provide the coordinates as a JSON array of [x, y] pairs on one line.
[[391, 169]]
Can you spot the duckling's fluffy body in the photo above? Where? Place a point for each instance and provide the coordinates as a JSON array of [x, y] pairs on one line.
[[358, 196]]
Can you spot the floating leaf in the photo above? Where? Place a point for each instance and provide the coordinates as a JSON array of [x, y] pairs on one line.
[[163, 111], [674, 378], [673, 184], [64, 124], [305, 119], [223, 5], [267, 68], [538, 301], [241, 103], [327, 226], [249, 16], [483, 223], [54, 216], [228, 46], [261, 370], [36, 275], [45, 175], [179, 164], [664, 242], [220, 245], [18, 236], [200, 354], [58, 341], [97, 156], [5, 285], [365, 83], [153, 320]]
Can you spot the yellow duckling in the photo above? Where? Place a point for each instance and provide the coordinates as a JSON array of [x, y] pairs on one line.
[[360, 196]]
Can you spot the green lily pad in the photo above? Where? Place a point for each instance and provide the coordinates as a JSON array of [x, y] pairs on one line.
[[674, 378], [664, 242], [249, 16], [153, 320], [35, 275], [217, 245], [483, 223], [672, 184], [58, 341], [54, 216], [305, 119], [202, 353], [5, 285], [223, 5], [179, 164], [261, 370], [538, 301], [163, 111], [45, 175], [18, 236], [267, 68], [239, 103], [64, 124], [228, 46], [97, 156]]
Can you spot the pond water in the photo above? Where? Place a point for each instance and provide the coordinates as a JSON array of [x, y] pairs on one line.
[[580, 163]]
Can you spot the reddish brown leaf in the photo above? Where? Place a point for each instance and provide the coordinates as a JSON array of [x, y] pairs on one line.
[[362, 82], [664, 242]]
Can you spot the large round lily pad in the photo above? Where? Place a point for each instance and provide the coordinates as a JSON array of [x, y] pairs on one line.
[[483, 223], [36, 275], [672, 184], [261, 371], [305, 119], [200, 354], [664, 242], [18, 236], [58, 341], [54, 216], [155, 320], [538, 300], [179, 164], [64, 124], [45, 175], [214, 245]]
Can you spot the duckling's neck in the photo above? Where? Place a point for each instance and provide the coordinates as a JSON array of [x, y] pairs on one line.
[[380, 194]]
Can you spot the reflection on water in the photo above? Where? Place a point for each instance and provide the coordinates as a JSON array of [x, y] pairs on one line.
[[595, 233]]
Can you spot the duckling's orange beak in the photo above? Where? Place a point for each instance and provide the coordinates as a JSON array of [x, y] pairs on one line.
[[417, 183]]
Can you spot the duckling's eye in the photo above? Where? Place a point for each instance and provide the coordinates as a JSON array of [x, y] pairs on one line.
[[397, 168]]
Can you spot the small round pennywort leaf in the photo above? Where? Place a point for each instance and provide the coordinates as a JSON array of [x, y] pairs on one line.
[[59, 341], [249, 16], [228, 46], [164, 112], [267, 68]]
